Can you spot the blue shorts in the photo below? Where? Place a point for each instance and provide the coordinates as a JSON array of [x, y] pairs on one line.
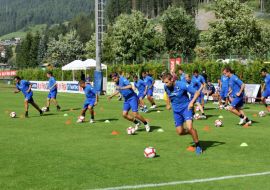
[[131, 103], [141, 95], [52, 94], [89, 102], [200, 98], [224, 93], [237, 102], [29, 98], [266, 94], [150, 92], [182, 116]]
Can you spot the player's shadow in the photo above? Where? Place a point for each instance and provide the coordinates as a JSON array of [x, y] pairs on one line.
[[103, 120], [209, 108], [161, 106], [71, 109], [153, 128], [209, 116], [154, 110], [44, 115], [209, 144]]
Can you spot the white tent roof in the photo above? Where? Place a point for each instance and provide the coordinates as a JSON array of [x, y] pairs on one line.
[[82, 65]]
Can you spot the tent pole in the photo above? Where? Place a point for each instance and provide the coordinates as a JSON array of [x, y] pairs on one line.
[[73, 75], [62, 75]]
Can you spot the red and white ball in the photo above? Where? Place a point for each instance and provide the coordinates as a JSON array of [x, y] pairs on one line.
[[262, 113], [197, 116], [80, 119], [130, 131], [12, 114], [221, 107], [218, 123], [149, 152]]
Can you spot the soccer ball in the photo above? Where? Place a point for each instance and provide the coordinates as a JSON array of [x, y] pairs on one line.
[[221, 107], [262, 114], [130, 131], [197, 108], [44, 109], [12, 114], [149, 152], [80, 119], [197, 116], [218, 123]]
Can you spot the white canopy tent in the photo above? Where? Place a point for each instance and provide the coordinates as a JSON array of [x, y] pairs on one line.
[[81, 65]]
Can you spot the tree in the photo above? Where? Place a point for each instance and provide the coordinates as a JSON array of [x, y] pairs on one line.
[[180, 31], [236, 31], [68, 48]]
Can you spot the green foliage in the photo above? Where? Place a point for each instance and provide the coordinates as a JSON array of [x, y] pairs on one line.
[[180, 31]]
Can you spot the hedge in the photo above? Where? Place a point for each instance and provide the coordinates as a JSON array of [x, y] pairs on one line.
[[249, 73]]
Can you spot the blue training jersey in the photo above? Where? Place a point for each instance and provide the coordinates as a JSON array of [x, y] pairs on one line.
[[148, 81], [197, 81], [182, 77], [235, 84], [126, 93], [224, 82], [90, 92], [52, 82], [23, 86], [178, 95], [267, 82], [140, 85]]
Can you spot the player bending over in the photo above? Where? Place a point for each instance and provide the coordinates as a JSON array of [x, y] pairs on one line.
[[266, 88], [53, 92], [124, 87], [25, 87], [90, 101], [182, 106], [236, 92]]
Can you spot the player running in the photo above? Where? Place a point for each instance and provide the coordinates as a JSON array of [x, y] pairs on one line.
[[266, 88], [25, 86], [236, 92], [182, 106], [140, 86], [53, 92], [224, 86], [124, 87], [90, 101], [198, 83], [149, 81]]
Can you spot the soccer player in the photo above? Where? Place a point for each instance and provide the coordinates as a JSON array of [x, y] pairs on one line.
[[140, 85], [25, 87], [236, 91], [90, 101], [224, 86], [198, 82], [266, 87], [182, 106], [149, 81], [182, 75], [53, 92], [124, 87]]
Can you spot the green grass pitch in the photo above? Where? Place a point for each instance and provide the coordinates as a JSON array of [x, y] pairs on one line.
[[54, 152]]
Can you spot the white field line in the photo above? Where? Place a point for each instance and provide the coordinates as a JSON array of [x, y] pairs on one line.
[[184, 182]]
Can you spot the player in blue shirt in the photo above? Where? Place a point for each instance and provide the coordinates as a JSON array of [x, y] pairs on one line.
[[124, 87], [53, 92], [182, 106], [266, 88], [198, 83], [236, 92], [24, 86], [224, 90], [182, 75], [149, 81], [90, 101], [140, 86]]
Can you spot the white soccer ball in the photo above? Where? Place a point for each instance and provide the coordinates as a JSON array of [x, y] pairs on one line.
[[44, 109], [197, 108], [262, 113], [218, 123], [149, 152], [197, 116], [221, 107], [80, 119], [12, 114], [130, 131]]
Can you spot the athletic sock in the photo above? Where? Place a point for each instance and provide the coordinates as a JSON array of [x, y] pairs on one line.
[[265, 105], [145, 123], [135, 121], [242, 116], [92, 117], [197, 144], [247, 120], [203, 113]]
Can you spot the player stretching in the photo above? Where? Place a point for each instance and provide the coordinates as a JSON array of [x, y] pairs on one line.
[[149, 81], [266, 88], [236, 91], [140, 85], [90, 101], [124, 87], [25, 87], [182, 106], [224, 86], [53, 92]]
